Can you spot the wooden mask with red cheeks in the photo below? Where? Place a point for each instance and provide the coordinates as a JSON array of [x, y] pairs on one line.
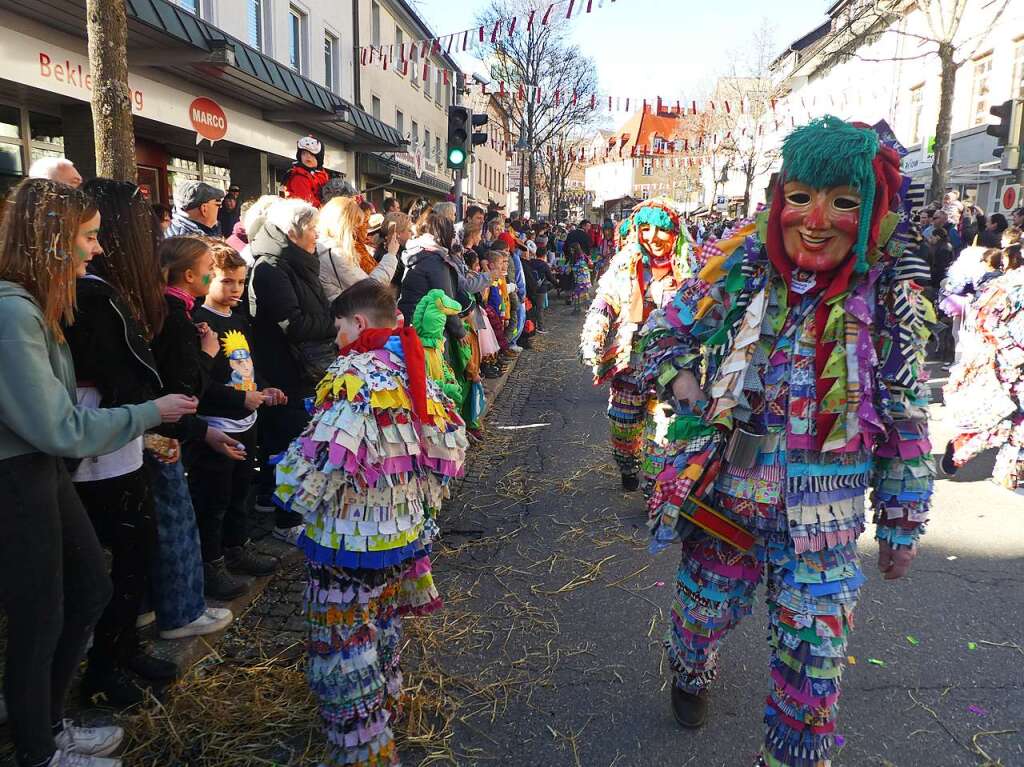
[[659, 243], [819, 226]]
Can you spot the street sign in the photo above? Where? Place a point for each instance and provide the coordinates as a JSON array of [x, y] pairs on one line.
[[1010, 198]]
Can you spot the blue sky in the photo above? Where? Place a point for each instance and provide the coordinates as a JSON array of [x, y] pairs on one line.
[[672, 48]]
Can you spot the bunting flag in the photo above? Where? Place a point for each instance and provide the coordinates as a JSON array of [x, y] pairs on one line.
[[465, 39]]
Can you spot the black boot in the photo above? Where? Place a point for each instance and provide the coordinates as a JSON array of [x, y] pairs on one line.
[[946, 463], [630, 482], [220, 584], [690, 710], [246, 560], [152, 668], [111, 689]]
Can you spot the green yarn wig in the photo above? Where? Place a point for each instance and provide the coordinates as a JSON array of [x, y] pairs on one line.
[[832, 152]]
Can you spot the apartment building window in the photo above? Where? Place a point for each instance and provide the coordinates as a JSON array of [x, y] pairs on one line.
[[400, 122], [980, 89], [1017, 86], [437, 87], [375, 23], [331, 54], [399, 43], [916, 108], [257, 29], [437, 149], [426, 144], [415, 132], [414, 63], [426, 83], [375, 107], [192, 6], [648, 168], [297, 25]]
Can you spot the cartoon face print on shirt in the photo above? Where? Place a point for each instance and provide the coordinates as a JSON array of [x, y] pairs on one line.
[[819, 226], [236, 349]]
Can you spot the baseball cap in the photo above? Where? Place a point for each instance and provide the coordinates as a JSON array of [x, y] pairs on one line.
[[191, 194]]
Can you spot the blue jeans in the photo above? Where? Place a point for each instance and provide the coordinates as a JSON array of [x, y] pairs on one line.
[[176, 577]]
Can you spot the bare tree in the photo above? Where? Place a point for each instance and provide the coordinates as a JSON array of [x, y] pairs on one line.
[[558, 160], [935, 28], [550, 83], [107, 29]]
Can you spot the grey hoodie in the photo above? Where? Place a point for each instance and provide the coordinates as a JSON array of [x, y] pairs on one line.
[[38, 413]]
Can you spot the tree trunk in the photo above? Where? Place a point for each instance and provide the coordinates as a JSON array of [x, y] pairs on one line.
[[107, 29], [947, 84], [531, 172]]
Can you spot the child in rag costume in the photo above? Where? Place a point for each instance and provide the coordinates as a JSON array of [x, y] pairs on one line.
[[368, 475], [640, 278], [795, 362]]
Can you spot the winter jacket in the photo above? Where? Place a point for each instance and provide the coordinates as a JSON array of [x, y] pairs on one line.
[[305, 184], [183, 226], [183, 366], [288, 307], [429, 266], [108, 347], [38, 410], [338, 272]]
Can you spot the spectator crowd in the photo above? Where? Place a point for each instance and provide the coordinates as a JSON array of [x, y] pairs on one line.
[[156, 363]]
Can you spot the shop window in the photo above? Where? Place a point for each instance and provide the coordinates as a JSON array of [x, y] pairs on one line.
[[46, 130], [217, 175], [10, 122]]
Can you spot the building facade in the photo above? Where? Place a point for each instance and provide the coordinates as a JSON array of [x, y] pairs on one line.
[[408, 87], [891, 78], [221, 90]]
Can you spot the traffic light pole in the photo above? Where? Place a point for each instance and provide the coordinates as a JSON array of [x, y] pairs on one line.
[[458, 194]]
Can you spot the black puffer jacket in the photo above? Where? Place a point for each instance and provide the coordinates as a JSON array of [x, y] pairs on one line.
[[109, 349], [288, 307], [427, 267], [183, 365]]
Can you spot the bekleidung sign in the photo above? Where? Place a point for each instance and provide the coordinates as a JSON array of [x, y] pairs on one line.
[[61, 69]]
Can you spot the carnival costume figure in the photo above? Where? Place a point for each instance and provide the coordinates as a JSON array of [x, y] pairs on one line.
[[795, 364], [985, 393], [640, 278], [368, 475]]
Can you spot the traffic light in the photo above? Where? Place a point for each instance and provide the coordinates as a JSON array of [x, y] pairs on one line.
[[479, 121], [1007, 133], [459, 128]]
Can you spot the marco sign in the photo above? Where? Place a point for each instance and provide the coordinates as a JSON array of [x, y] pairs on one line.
[[208, 119]]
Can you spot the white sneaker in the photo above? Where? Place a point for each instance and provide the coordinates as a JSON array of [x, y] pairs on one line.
[[515, 348], [89, 741], [145, 619], [289, 535], [71, 759], [213, 619]]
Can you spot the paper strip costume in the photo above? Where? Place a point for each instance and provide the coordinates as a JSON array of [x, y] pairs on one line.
[[368, 475], [809, 345]]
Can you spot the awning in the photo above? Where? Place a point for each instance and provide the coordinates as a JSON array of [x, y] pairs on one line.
[[166, 37], [398, 173]]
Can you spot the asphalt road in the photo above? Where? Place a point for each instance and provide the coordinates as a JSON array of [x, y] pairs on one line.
[[550, 647]]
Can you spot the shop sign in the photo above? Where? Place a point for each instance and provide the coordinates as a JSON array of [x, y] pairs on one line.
[[208, 119], [1010, 198], [75, 76], [414, 157]]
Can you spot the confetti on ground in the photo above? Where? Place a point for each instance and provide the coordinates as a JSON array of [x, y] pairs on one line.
[[972, 645], [840, 741], [851, 659], [913, 640], [659, 584], [951, 558], [876, 662], [978, 710]]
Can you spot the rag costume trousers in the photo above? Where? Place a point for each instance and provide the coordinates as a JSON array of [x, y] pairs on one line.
[[628, 405], [53, 588], [176, 573], [219, 487], [121, 510], [353, 647], [811, 597], [277, 427]]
